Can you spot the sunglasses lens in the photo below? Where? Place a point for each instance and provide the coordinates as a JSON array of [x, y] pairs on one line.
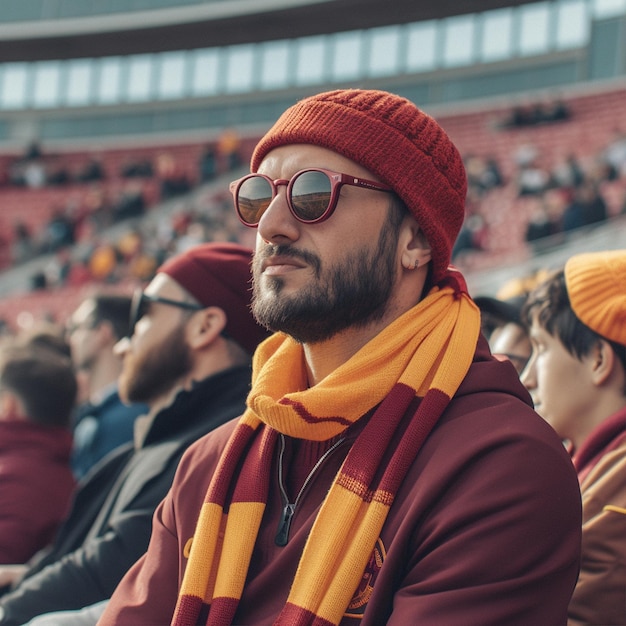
[[253, 197], [310, 195]]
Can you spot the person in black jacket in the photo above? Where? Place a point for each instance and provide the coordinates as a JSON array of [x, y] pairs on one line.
[[188, 358]]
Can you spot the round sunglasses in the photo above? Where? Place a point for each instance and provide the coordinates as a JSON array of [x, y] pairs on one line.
[[312, 194]]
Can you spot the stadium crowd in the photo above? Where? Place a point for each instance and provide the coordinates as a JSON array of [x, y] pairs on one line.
[[561, 194]]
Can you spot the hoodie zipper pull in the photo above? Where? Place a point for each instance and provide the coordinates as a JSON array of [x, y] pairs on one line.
[[282, 536]]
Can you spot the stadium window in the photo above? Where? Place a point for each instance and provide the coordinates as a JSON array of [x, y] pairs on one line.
[[572, 24], [311, 60], [109, 80], [13, 85], [384, 51], [239, 68], [139, 84], [205, 72], [171, 75], [459, 41], [347, 55], [275, 65], [608, 8], [534, 29], [497, 35], [421, 46], [47, 84], [79, 82]]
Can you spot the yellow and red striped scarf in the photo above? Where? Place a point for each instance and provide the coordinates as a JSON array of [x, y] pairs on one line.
[[424, 354]]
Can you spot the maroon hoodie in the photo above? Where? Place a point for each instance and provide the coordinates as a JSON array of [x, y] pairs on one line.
[[484, 530], [36, 484]]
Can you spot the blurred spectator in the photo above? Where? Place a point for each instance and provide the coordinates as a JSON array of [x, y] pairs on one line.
[[58, 268], [552, 109], [33, 151], [587, 207], [46, 335], [97, 208], [172, 178], [130, 201], [525, 154], [79, 273], [492, 176], [471, 237], [614, 155], [29, 170], [139, 263], [133, 167], [102, 422], [567, 172], [544, 221], [194, 234], [33, 174], [531, 113], [191, 364], [207, 164], [37, 394], [103, 262], [38, 281], [23, 247], [57, 173], [502, 325], [228, 144], [532, 178], [91, 171], [58, 232], [483, 174]]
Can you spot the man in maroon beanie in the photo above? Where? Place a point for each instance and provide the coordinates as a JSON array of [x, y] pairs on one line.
[[387, 469], [188, 358]]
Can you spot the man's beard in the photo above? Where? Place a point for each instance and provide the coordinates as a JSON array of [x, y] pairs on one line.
[[352, 293], [154, 372]]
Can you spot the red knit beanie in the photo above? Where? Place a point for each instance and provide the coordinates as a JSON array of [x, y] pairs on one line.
[[218, 274], [388, 135]]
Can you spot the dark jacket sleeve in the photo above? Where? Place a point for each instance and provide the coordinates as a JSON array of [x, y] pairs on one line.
[[84, 576]]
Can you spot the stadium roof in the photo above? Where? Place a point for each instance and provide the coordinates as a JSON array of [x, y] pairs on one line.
[[214, 23]]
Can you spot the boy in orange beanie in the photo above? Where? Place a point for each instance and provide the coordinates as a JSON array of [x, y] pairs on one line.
[[577, 379]]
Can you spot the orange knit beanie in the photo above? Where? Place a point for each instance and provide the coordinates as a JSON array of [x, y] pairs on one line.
[[403, 146], [596, 285]]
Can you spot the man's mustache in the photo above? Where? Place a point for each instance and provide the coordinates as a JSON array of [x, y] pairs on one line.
[[271, 250]]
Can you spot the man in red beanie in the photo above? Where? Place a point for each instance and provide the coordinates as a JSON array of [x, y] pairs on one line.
[[188, 358], [387, 469], [577, 379]]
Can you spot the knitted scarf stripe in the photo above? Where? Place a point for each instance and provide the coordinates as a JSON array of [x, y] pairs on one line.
[[410, 370], [210, 538]]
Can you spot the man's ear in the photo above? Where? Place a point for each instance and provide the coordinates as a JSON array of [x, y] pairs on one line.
[[205, 326], [602, 362], [415, 249]]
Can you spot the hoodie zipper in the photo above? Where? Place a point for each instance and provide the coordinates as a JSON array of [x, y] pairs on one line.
[[289, 508]]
